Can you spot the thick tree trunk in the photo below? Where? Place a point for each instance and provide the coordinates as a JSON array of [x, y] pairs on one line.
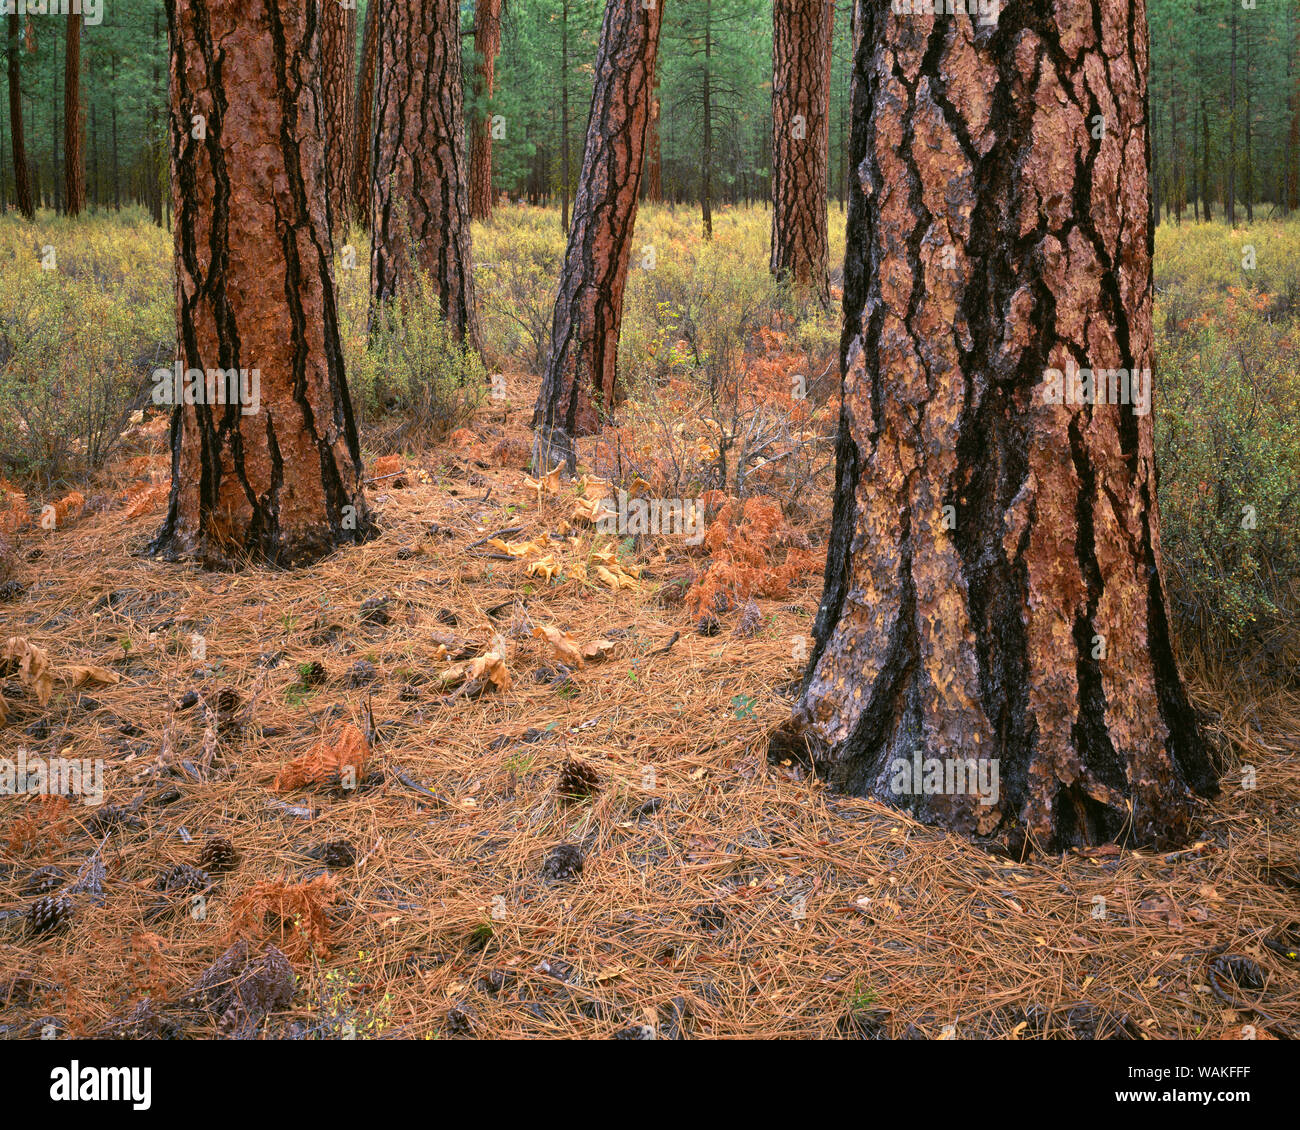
[[580, 379], [993, 582], [421, 198], [338, 68], [364, 117], [274, 477], [74, 123], [801, 47], [22, 176], [487, 42]]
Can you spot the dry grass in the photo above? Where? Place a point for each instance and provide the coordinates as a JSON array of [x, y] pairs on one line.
[[720, 896]]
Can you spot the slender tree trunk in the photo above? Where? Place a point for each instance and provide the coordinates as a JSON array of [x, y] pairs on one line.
[[275, 477], [487, 42], [654, 158], [117, 181], [1205, 161], [580, 379], [338, 70], [1232, 125], [1248, 169], [564, 116], [22, 177], [994, 581], [801, 52], [74, 126], [706, 147], [421, 197], [1293, 130], [364, 117]]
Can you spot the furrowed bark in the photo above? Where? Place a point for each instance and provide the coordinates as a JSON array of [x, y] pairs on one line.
[[338, 54], [280, 485], [74, 120], [420, 208], [487, 42], [22, 175], [994, 578], [580, 379], [364, 116], [801, 46]]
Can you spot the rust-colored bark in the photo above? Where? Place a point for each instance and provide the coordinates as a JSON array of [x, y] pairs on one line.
[[801, 51], [487, 42], [279, 484], [22, 175], [654, 191], [74, 120], [994, 579], [364, 116], [580, 380], [420, 184], [338, 54]]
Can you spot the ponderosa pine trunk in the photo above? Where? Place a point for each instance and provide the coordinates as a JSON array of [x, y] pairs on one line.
[[74, 120], [487, 42], [274, 477], [22, 175], [580, 380], [364, 117], [994, 580], [421, 179], [654, 190], [338, 69], [801, 46]]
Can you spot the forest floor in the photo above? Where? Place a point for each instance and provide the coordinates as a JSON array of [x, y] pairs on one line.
[[698, 890]]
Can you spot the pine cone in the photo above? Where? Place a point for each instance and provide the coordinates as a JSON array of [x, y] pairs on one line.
[[43, 881], [564, 862], [49, 914], [578, 780], [183, 879], [218, 855]]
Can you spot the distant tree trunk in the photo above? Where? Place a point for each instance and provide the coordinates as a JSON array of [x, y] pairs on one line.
[[1232, 125], [580, 377], [1248, 167], [1205, 161], [564, 116], [654, 158], [22, 177], [338, 40], [706, 147], [275, 478], [364, 117], [74, 127], [801, 51], [421, 197], [1293, 131], [487, 42], [994, 580], [117, 183]]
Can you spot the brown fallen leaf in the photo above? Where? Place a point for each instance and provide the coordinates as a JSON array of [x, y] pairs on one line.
[[34, 669], [340, 757]]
